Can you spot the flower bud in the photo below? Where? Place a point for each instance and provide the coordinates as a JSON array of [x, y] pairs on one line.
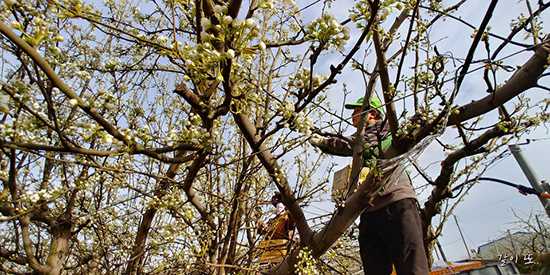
[[59, 38], [262, 46], [15, 25], [230, 54], [227, 19], [205, 23], [251, 23]]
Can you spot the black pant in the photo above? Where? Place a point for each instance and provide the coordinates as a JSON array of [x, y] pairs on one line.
[[390, 236]]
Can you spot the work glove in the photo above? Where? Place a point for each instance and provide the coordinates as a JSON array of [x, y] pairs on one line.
[[317, 140]]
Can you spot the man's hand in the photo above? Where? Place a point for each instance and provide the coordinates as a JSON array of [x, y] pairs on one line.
[[317, 140]]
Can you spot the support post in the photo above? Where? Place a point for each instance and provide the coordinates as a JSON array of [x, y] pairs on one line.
[[441, 251], [534, 180], [462, 236], [542, 234]]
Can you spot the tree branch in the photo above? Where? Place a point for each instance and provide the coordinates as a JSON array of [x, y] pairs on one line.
[[58, 82], [387, 89], [442, 190], [523, 79], [270, 164], [154, 153]]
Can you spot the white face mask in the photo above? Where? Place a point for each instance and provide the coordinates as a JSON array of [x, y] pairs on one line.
[[279, 208]]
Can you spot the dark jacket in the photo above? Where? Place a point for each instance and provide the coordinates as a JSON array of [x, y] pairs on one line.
[[377, 140]]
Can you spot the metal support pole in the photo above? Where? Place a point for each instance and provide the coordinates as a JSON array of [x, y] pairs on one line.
[[441, 250], [542, 234], [437, 254], [462, 236], [531, 175]]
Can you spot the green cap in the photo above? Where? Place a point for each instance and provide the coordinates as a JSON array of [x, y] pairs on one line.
[[374, 103]]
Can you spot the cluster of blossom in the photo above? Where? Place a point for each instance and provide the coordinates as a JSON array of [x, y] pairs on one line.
[[23, 133], [303, 77], [104, 97], [287, 108], [278, 175], [270, 4], [75, 69], [35, 197], [6, 130], [328, 31], [302, 122], [40, 31], [361, 13], [107, 98], [306, 264], [194, 133], [204, 57], [199, 59], [239, 31], [174, 198], [424, 115], [112, 64]]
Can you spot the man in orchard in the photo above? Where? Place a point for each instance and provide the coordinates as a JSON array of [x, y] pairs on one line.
[[390, 231]]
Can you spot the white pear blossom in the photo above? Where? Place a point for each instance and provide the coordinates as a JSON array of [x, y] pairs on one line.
[[299, 84], [342, 46], [227, 19], [162, 39], [205, 23], [262, 46], [346, 31], [255, 33], [237, 22], [385, 13], [73, 102], [218, 9], [251, 23], [205, 36], [230, 54], [289, 3], [108, 138]]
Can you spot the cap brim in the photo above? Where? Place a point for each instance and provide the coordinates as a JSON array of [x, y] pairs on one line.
[[352, 105]]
